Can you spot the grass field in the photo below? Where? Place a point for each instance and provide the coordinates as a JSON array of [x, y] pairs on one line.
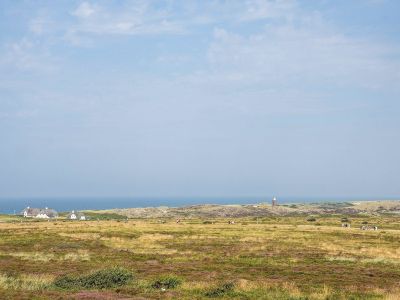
[[265, 258]]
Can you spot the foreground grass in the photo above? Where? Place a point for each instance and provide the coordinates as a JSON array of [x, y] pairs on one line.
[[255, 258]]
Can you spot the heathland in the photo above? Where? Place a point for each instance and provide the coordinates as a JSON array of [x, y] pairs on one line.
[[228, 252]]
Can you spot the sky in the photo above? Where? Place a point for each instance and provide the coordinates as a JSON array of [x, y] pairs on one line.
[[200, 98]]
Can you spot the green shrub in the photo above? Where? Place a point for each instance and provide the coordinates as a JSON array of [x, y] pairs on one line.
[[102, 279], [167, 282], [107, 278], [221, 290], [311, 219], [67, 282], [207, 222]]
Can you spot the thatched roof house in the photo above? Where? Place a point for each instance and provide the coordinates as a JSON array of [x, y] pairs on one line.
[[42, 213]]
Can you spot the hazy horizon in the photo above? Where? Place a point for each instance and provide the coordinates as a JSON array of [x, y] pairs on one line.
[[14, 205], [265, 198], [220, 98]]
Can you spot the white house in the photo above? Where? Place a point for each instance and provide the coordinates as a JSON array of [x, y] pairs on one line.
[[76, 215]]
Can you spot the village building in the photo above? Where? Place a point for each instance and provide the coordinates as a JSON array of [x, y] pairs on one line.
[[76, 215], [40, 213]]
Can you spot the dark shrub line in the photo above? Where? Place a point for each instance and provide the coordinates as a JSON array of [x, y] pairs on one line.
[[221, 290], [107, 278], [166, 282]]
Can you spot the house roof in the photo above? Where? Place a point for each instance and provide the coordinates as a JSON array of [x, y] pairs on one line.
[[32, 211]]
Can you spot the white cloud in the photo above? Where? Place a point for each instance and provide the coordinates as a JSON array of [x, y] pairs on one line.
[[265, 9], [28, 54], [150, 18], [301, 49], [135, 19], [85, 10], [37, 26], [285, 55]]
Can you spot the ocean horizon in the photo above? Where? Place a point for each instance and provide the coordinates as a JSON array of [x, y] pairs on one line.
[[15, 205]]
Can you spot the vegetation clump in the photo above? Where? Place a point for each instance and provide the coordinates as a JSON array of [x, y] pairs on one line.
[[311, 219], [220, 291], [27, 282], [167, 282], [102, 279]]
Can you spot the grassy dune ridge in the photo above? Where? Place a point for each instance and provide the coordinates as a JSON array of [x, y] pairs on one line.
[[259, 257], [260, 210]]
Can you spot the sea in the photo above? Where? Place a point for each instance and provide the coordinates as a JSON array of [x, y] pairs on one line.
[[15, 205]]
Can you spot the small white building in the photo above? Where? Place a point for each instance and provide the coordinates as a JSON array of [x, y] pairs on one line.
[[76, 215]]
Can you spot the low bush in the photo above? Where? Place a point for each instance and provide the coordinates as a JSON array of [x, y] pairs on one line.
[[102, 279], [311, 219], [221, 290], [167, 282], [67, 282], [207, 222], [107, 278]]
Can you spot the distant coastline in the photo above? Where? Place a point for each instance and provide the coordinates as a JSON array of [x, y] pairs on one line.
[[15, 205]]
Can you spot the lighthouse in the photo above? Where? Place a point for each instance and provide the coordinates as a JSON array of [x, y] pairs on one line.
[[274, 201]]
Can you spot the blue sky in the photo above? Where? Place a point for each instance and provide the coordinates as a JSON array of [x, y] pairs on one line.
[[200, 98]]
